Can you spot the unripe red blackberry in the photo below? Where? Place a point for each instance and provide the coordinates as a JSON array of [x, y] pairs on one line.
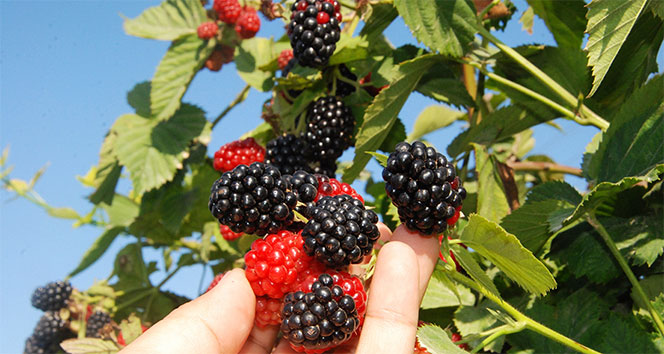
[[330, 125], [268, 311], [228, 11], [215, 61], [340, 231], [289, 153], [273, 264], [424, 187], [284, 59], [330, 187], [239, 152], [253, 199], [52, 297], [248, 23], [228, 234], [95, 323], [323, 316], [314, 31], [207, 30]]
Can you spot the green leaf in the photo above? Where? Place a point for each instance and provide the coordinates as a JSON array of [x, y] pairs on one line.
[[476, 319], [468, 263], [63, 213], [175, 71], [491, 201], [609, 24], [131, 329], [587, 256], [633, 144], [130, 268], [447, 27], [527, 19], [251, 54], [529, 223], [380, 17], [566, 20], [382, 113], [212, 228], [555, 190], [168, 21], [433, 118], [436, 341], [446, 90], [638, 238], [439, 294], [396, 135], [122, 211], [262, 134], [139, 98], [621, 334], [109, 169], [152, 151], [349, 48], [506, 252], [97, 249], [381, 158], [89, 346]]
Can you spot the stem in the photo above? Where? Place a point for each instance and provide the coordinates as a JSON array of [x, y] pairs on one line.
[[238, 99], [529, 322], [544, 166], [168, 277], [587, 116], [592, 220], [501, 331]]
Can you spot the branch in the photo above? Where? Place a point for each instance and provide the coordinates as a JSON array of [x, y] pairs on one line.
[[544, 166], [238, 99]]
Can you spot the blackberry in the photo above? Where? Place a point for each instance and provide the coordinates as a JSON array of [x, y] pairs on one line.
[[51, 297], [326, 168], [314, 31], [424, 187], [330, 125], [253, 199], [288, 153], [49, 331], [322, 318], [96, 323], [340, 231], [343, 88]]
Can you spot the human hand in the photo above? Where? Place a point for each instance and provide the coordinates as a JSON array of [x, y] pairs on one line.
[[222, 320]]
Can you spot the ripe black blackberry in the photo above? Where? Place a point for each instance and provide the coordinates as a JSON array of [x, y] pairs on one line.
[[95, 323], [49, 330], [423, 186], [340, 231], [314, 31], [289, 153], [51, 297], [253, 199], [322, 318], [326, 167], [330, 125], [343, 88]]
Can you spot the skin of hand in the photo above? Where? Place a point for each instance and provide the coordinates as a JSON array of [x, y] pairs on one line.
[[222, 320]]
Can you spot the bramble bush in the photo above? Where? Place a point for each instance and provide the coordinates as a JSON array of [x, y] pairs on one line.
[[531, 265]]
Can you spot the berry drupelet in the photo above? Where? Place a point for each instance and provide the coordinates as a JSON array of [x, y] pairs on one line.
[[314, 31], [253, 199], [340, 231], [323, 316], [424, 187]]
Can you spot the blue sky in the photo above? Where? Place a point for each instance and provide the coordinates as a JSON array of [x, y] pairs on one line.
[[66, 67]]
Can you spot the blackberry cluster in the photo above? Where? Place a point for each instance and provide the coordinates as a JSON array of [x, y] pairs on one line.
[[314, 31], [343, 88], [288, 153], [48, 333], [340, 231], [322, 318], [423, 186], [330, 125], [253, 199], [51, 297], [95, 323]]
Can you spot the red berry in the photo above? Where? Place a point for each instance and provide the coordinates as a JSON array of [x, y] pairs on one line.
[[207, 30], [121, 340], [338, 16], [215, 61], [457, 337], [268, 311], [248, 23], [215, 281], [239, 152], [323, 18], [228, 11], [273, 264], [330, 187], [284, 57], [227, 53], [451, 221], [302, 5], [228, 234], [440, 254]]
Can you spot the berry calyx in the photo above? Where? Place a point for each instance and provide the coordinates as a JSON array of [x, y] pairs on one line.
[[419, 180], [340, 231], [323, 315], [52, 297], [248, 23], [239, 152], [207, 30], [228, 11]]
